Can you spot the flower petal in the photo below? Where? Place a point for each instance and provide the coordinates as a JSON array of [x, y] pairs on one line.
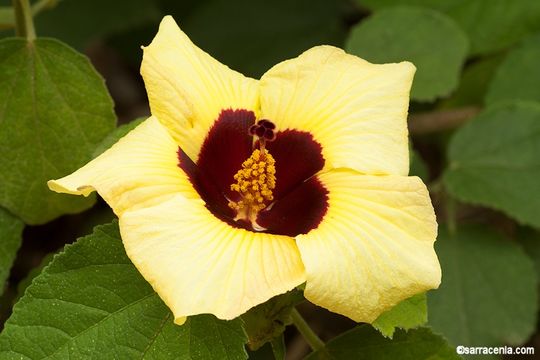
[[188, 89], [374, 246], [356, 110], [199, 264], [138, 171]]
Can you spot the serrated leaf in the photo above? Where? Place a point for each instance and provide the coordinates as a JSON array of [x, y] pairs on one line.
[[490, 24], [116, 135], [408, 314], [268, 320], [488, 295], [233, 32], [365, 343], [414, 34], [54, 111], [91, 302], [518, 77], [10, 240], [78, 21], [494, 161]]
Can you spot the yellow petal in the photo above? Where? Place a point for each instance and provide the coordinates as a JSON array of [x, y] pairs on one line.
[[199, 264], [187, 88], [373, 248], [356, 110], [138, 171]]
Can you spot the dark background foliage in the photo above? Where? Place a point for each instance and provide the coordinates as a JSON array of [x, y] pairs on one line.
[[474, 124]]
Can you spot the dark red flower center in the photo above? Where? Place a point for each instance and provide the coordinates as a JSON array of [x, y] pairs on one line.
[[295, 204]]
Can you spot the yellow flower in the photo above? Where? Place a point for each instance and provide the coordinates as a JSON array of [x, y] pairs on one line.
[[236, 190]]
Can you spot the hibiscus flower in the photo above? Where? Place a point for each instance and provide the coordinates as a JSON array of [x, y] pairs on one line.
[[236, 190]]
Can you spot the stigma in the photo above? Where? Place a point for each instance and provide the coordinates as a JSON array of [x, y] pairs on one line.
[[256, 179]]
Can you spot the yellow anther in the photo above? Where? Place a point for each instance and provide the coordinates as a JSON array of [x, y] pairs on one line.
[[254, 182]]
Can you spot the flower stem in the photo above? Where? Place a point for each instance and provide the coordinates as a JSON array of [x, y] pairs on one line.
[[24, 23], [303, 327], [440, 120]]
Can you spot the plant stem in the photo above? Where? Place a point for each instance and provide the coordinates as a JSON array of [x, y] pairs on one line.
[[24, 23], [303, 327], [440, 120]]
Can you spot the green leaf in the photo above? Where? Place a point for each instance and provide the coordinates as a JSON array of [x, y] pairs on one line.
[[474, 83], [116, 135], [10, 240], [416, 35], [268, 320], [491, 25], [518, 77], [408, 314], [78, 21], [495, 161], [488, 295], [235, 33], [55, 111], [91, 301], [363, 342]]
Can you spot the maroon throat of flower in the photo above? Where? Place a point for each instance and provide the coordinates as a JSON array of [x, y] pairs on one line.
[[256, 180], [254, 176]]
